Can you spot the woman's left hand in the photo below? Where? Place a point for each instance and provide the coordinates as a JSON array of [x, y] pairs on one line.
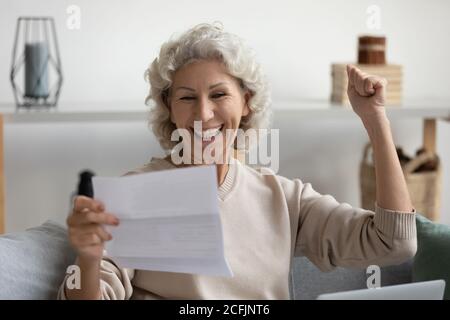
[[367, 94]]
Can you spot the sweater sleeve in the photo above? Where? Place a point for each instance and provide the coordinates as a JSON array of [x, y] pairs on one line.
[[335, 234], [115, 282]]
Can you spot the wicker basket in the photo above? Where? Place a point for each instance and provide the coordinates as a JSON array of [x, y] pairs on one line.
[[424, 187]]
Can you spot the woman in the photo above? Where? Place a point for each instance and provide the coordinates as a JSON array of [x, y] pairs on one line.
[[210, 76]]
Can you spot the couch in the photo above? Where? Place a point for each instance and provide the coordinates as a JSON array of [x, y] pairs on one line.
[[33, 264], [307, 281]]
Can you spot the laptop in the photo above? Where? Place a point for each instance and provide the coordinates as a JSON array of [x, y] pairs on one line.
[[427, 290]]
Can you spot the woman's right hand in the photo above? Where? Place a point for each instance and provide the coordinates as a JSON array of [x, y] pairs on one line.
[[85, 227]]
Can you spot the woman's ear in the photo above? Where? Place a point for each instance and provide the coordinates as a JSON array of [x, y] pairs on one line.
[[165, 96], [170, 111], [171, 116], [247, 96]]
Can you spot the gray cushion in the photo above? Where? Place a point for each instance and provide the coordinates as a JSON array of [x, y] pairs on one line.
[[308, 281], [33, 262]]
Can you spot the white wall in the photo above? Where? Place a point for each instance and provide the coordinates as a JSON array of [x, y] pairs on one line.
[[296, 41]]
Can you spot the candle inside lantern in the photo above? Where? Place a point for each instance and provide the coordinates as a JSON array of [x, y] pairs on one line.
[[36, 70]]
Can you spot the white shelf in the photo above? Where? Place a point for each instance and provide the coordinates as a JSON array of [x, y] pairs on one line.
[[321, 109], [77, 112], [135, 111]]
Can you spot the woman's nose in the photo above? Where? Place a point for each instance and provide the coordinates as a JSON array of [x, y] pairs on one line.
[[205, 110]]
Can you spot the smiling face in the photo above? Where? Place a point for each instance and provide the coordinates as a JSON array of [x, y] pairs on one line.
[[204, 92]]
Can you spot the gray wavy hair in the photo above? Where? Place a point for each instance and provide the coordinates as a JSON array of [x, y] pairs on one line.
[[206, 41]]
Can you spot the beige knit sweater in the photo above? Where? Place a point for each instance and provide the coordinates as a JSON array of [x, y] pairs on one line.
[[267, 219]]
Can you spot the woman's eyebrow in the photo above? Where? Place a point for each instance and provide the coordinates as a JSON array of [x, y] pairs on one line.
[[190, 89], [185, 88], [216, 85]]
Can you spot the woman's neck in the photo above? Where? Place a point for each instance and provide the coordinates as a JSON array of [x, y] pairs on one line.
[[222, 169]]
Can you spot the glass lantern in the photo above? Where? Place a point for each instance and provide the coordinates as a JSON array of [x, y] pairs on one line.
[[36, 74]]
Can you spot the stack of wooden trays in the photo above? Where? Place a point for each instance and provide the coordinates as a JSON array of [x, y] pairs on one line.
[[392, 72], [372, 60]]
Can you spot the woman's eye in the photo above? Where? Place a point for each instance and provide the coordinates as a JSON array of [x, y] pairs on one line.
[[218, 95], [187, 98]]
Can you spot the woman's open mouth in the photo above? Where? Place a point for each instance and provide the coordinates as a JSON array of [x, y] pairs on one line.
[[206, 134]]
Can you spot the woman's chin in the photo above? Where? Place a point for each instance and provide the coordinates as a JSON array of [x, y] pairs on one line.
[[211, 153]]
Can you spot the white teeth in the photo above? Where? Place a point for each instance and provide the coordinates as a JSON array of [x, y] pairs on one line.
[[207, 134]]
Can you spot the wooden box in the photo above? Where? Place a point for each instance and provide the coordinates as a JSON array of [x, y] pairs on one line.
[[392, 72]]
